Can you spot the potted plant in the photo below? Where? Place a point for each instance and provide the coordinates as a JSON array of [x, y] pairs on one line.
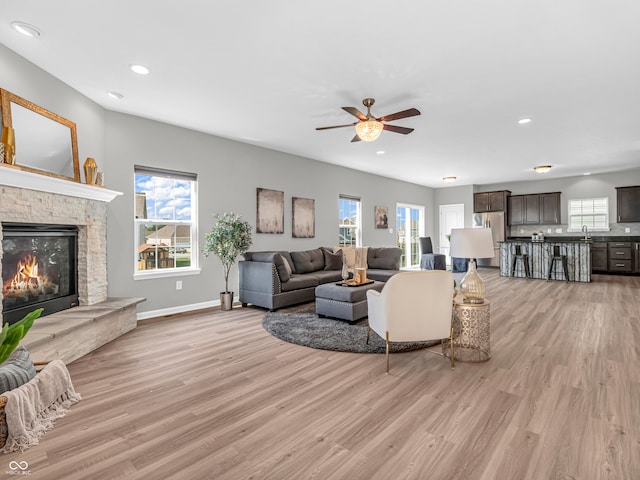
[[228, 238], [10, 335]]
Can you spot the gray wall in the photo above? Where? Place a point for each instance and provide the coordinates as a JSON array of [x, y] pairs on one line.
[[228, 174], [32, 83]]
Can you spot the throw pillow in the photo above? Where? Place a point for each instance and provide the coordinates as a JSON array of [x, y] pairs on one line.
[[16, 370], [286, 265], [332, 261], [281, 267]]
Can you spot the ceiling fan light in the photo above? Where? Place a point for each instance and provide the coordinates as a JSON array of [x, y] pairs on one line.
[[369, 131], [542, 168]]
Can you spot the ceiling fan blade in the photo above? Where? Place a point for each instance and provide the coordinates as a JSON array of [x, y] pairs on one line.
[[396, 129], [355, 139], [356, 113], [336, 126], [412, 112]]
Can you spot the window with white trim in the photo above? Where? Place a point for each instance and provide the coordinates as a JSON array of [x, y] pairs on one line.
[[592, 212], [349, 226], [166, 239]]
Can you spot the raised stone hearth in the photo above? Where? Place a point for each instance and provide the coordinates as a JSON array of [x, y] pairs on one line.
[[70, 334], [73, 333]]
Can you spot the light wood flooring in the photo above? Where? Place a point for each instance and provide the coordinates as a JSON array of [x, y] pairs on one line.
[[212, 395]]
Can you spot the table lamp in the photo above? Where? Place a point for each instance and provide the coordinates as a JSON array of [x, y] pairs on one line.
[[471, 243]]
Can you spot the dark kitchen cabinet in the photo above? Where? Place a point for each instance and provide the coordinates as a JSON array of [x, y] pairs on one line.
[[534, 209], [628, 204], [599, 257], [636, 257], [490, 201], [550, 208], [516, 210], [531, 209], [620, 258]]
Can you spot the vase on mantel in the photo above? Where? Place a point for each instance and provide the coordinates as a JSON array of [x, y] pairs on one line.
[[90, 171]]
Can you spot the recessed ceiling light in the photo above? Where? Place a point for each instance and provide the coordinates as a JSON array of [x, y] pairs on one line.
[[522, 121], [587, 173], [542, 168], [380, 152], [115, 95], [25, 29], [448, 179], [140, 69]]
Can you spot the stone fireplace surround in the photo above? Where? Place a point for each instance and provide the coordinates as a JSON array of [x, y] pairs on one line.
[[31, 198]]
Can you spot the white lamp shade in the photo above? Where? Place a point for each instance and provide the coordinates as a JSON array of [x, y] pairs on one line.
[[471, 243]]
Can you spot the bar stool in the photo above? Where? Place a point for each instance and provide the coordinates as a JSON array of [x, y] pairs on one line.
[[520, 254], [558, 255]]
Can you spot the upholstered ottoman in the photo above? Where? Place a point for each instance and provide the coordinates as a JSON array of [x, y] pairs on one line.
[[345, 303]]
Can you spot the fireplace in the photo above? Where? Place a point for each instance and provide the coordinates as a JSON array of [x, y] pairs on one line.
[[39, 269]]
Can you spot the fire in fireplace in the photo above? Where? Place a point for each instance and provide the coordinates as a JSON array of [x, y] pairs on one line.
[[39, 269]]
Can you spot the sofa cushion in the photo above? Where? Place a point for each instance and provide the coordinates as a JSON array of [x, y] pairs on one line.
[[298, 281], [381, 275], [16, 370], [281, 267], [384, 258], [308, 261], [327, 276], [332, 261]]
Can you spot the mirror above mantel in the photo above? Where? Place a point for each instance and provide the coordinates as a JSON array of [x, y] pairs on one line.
[[45, 142]]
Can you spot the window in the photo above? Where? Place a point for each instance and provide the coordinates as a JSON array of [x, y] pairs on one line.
[[410, 226], [592, 212], [165, 222], [349, 221]]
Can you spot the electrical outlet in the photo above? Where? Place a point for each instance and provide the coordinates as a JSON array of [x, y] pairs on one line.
[[558, 230], [178, 284], [391, 230], [548, 230], [521, 230], [627, 230]]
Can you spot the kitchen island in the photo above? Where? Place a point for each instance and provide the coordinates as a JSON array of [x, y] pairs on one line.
[[540, 253]]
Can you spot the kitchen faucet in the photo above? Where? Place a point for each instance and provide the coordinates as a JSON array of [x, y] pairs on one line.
[[586, 232]]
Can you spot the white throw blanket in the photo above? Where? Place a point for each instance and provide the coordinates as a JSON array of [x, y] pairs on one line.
[[32, 408]]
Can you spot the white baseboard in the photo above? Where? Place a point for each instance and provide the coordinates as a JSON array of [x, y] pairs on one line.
[[180, 309]]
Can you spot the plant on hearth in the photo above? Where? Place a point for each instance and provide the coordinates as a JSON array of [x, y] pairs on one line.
[[10, 335], [228, 238]]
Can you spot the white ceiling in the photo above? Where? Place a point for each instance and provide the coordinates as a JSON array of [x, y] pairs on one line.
[[268, 72]]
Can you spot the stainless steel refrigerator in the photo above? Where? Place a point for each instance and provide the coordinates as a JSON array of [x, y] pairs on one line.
[[497, 222]]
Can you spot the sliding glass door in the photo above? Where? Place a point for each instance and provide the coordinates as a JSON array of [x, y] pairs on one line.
[[410, 226]]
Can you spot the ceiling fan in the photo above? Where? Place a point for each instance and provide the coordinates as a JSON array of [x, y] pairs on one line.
[[369, 127]]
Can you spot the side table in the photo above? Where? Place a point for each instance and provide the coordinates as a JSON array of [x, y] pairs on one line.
[[471, 332]]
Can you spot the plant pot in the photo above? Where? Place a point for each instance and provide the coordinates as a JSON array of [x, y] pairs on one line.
[[226, 300]]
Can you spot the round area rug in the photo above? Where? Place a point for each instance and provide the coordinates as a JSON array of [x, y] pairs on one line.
[[327, 334]]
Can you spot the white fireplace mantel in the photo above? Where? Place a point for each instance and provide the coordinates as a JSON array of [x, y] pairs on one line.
[[14, 177]]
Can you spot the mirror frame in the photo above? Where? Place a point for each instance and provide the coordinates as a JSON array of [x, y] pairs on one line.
[[6, 98]]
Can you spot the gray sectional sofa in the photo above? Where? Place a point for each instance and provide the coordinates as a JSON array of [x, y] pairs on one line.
[[278, 279]]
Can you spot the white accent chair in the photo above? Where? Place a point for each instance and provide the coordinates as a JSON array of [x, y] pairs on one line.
[[412, 307]]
